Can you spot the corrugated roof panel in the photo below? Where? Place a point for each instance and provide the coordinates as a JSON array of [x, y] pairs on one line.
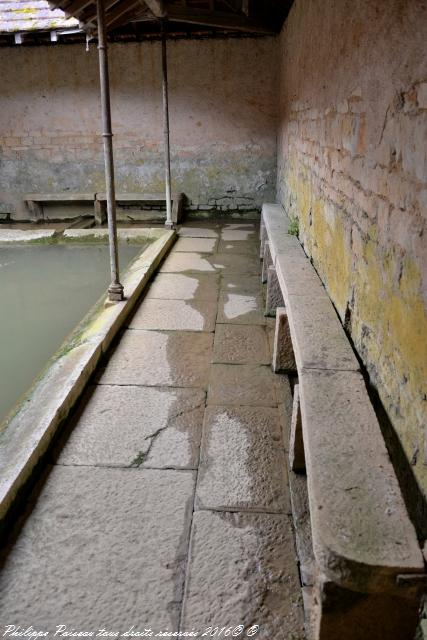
[[21, 15]]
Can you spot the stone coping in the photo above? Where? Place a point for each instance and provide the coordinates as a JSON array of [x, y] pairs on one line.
[[26, 235], [97, 234], [28, 430], [39, 236], [362, 536]]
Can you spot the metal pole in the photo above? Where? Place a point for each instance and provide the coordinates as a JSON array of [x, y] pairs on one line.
[[169, 222], [115, 290]]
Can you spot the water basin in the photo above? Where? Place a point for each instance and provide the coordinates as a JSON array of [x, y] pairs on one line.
[[45, 290]]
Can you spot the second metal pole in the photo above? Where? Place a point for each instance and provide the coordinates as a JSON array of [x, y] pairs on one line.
[[115, 290], [169, 221]]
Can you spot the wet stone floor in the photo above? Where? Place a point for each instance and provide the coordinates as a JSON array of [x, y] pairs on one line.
[[166, 504]]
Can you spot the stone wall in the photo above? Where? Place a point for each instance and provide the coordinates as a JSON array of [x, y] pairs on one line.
[[353, 168], [223, 113]]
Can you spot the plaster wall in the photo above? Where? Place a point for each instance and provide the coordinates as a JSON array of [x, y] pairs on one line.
[[223, 114], [352, 168]]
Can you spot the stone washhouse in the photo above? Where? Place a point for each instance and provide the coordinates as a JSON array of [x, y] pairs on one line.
[[234, 442]]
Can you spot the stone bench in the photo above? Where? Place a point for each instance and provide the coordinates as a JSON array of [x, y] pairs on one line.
[[366, 571], [139, 198], [35, 201]]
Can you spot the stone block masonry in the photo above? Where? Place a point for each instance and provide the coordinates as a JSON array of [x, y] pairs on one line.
[[352, 167], [223, 113]]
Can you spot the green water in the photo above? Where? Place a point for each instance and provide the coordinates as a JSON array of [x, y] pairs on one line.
[[45, 290]]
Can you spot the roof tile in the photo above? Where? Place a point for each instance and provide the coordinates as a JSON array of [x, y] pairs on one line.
[[21, 15]]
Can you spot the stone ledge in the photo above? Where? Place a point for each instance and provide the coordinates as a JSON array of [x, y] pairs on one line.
[[101, 234], [26, 235], [28, 431], [362, 538]]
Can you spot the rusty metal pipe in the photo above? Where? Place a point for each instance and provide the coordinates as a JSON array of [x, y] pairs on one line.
[[115, 290], [169, 221]]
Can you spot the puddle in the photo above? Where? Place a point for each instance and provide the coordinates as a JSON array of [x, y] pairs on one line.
[[238, 305]]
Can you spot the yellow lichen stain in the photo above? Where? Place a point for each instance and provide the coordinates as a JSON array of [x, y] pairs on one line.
[[325, 239], [395, 306], [389, 328], [332, 252], [389, 317], [26, 11]]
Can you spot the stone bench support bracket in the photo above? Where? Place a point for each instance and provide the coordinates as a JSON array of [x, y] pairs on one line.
[[283, 354], [296, 443], [274, 297]]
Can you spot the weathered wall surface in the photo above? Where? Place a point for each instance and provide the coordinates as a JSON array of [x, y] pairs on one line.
[[353, 168], [223, 112]]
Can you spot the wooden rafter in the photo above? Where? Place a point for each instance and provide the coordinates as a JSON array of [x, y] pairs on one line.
[[76, 7], [230, 5], [110, 7], [237, 22], [247, 16], [114, 17], [157, 7]]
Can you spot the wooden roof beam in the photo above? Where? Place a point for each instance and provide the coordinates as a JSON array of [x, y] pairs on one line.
[[114, 17], [232, 5], [217, 19], [157, 8], [91, 17], [75, 7]]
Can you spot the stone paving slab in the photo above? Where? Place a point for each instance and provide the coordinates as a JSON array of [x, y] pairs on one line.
[[242, 461], [87, 556], [241, 284], [240, 308], [241, 384], [239, 232], [238, 235], [192, 262], [235, 263], [242, 570], [241, 225], [177, 286], [175, 315], [139, 426], [247, 215], [200, 245], [238, 246], [218, 262], [153, 358], [241, 344], [198, 232]]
